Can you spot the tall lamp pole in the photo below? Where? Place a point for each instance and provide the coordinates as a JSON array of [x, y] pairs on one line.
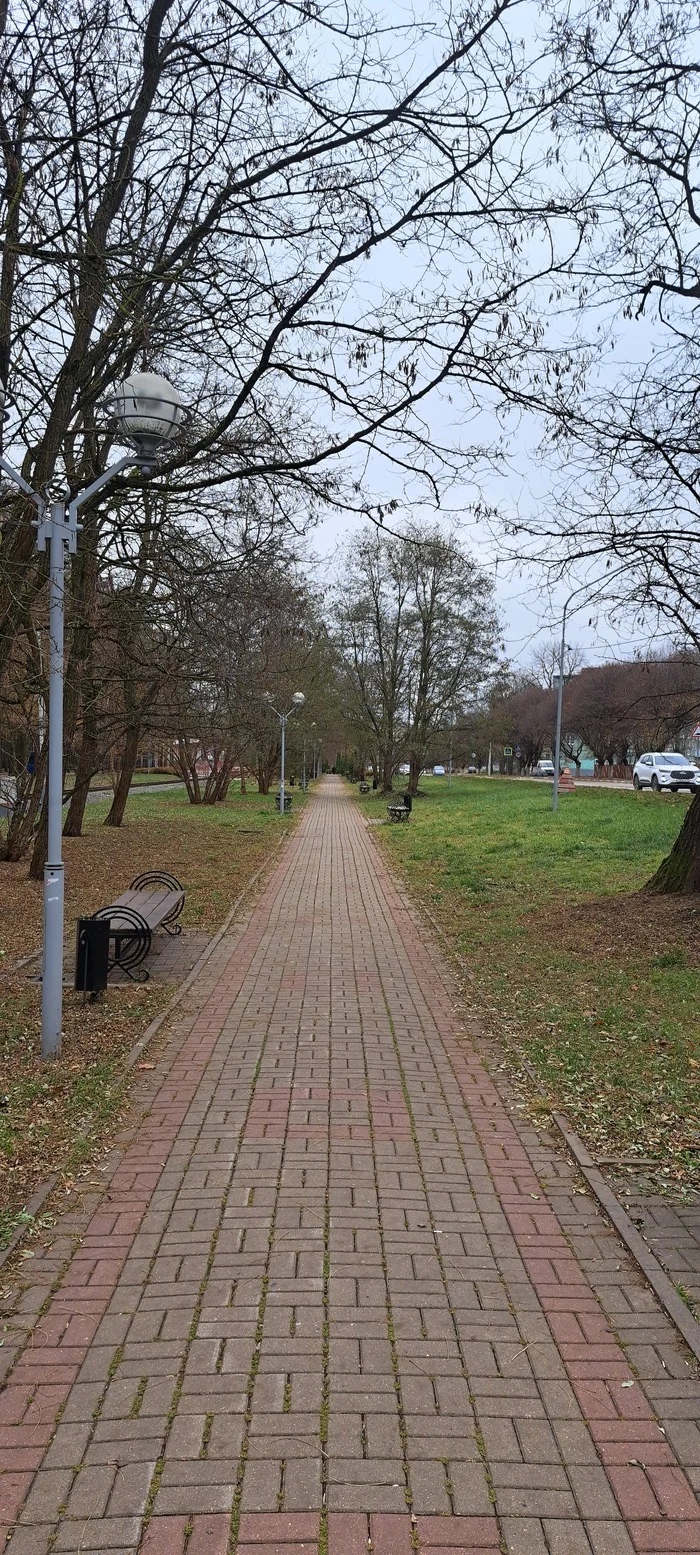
[[560, 702], [148, 411], [298, 700]]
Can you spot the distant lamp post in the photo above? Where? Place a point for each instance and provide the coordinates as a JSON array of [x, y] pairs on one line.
[[148, 412], [298, 701]]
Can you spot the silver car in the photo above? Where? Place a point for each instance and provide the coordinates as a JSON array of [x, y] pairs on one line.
[[665, 769]]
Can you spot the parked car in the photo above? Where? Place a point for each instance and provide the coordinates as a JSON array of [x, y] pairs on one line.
[[438, 771], [665, 769], [543, 769]]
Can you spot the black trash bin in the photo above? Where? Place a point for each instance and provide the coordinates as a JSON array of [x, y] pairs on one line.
[[92, 955], [407, 801]]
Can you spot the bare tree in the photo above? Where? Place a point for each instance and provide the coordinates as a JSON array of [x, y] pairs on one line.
[[453, 632], [374, 620], [628, 504]]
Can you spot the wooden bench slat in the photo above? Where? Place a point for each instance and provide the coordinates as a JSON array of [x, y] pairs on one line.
[[153, 906]]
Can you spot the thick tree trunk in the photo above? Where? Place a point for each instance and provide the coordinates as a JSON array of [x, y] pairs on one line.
[[680, 871], [387, 773], [88, 763], [126, 773], [413, 775]]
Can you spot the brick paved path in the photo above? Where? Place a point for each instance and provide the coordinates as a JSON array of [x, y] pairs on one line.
[[337, 1299]]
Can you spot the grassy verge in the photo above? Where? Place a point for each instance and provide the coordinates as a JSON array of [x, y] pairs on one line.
[[596, 984], [61, 1115]]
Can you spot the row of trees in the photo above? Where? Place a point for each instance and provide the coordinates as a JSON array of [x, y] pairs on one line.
[[312, 224], [616, 711], [275, 207], [177, 651]]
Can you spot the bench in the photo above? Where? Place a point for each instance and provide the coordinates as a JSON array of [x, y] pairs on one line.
[[154, 901], [287, 801], [364, 787], [400, 812]]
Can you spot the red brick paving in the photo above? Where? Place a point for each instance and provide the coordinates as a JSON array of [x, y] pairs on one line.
[[336, 1293]]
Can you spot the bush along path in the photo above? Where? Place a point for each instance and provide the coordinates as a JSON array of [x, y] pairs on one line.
[[336, 1296]]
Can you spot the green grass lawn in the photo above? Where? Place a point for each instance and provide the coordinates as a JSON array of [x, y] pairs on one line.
[[597, 985]]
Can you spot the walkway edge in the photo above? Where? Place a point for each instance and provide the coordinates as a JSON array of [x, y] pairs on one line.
[[675, 1308], [655, 1275], [46, 1188]]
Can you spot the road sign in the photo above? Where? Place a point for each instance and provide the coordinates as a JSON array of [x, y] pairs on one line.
[[507, 750], [696, 732]]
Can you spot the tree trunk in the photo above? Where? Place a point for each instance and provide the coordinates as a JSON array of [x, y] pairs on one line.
[[22, 821], [126, 773], [413, 775], [88, 763], [41, 841], [680, 871], [387, 773]]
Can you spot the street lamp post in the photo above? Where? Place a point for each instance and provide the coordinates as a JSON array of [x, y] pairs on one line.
[[560, 701], [148, 411], [589, 590], [298, 700]]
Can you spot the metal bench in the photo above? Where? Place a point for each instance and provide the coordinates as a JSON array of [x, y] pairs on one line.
[[154, 901], [400, 812]]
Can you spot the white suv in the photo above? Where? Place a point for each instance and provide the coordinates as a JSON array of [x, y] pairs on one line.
[[665, 769]]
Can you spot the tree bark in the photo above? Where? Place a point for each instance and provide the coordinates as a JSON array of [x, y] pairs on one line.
[[680, 871], [41, 841], [126, 773], [88, 763], [23, 818], [414, 775]]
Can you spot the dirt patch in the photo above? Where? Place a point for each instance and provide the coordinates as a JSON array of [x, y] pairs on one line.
[[625, 928], [54, 1116]]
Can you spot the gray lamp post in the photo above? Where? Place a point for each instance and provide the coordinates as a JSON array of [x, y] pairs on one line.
[[148, 411], [298, 700]]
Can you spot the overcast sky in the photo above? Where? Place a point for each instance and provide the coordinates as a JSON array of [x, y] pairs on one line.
[[530, 614]]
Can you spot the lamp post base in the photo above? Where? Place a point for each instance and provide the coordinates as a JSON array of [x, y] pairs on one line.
[[52, 978]]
